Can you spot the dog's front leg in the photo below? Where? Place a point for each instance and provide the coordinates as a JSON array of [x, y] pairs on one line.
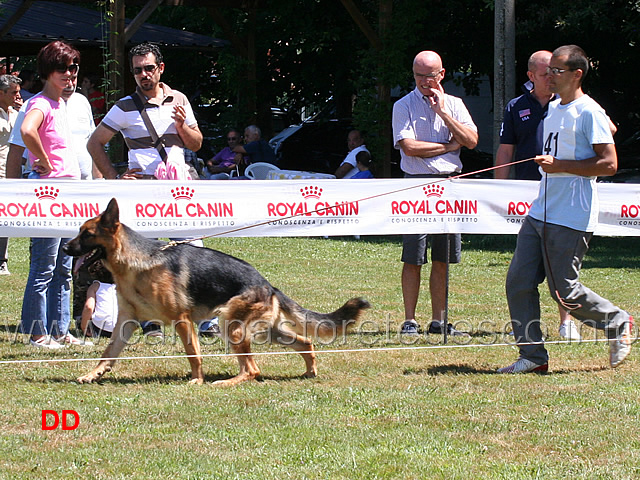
[[189, 338], [121, 333]]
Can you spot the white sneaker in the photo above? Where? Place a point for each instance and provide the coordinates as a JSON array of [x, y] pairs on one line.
[[71, 340], [569, 331], [522, 365], [620, 347], [4, 269], [46, 341]]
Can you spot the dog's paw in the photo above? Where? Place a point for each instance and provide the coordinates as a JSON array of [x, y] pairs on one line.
[[89, 378], [93, 376], [196, 381]]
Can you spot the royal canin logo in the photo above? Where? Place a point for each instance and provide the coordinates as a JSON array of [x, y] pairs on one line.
[[190, 209], [319, 208], [433, 190], [46, 192], [182, 193], [434, 204], [311, 192], [46, 206]]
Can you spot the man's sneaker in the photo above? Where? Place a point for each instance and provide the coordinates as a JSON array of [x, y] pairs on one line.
[[522, 365], [410, 327], [4, 269], [435, 327], [46, 341], [569, 330], [71, 340], [620, 346], [212, 331], [152, 330]]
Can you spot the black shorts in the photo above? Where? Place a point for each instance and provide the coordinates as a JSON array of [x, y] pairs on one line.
[[96, 332], [414, 248]]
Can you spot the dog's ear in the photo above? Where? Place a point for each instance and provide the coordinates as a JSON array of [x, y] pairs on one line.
[[110, 218]]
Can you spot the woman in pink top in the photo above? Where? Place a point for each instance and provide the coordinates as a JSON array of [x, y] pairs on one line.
[[46, 312], [45, 129]]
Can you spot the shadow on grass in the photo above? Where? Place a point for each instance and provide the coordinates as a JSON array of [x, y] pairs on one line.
[[164, 379], [462, 369]]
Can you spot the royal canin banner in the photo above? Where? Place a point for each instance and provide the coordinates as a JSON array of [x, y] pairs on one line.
[[254, 208]]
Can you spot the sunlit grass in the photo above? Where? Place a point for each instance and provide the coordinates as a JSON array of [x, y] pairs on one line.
[[431, 412]]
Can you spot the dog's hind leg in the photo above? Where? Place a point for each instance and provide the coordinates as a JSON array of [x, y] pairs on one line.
[[121, 333], [299, 344], [189, 338], [237, 336]]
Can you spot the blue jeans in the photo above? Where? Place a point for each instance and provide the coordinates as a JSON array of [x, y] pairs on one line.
[[46, 306]]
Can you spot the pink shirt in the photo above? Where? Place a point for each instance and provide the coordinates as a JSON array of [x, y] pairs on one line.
[[55, 136]]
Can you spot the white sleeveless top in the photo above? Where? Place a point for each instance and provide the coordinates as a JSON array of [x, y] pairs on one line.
[[105, 314]]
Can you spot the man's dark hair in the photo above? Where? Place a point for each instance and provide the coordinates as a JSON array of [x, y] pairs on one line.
[[142, 50], [576, 58]]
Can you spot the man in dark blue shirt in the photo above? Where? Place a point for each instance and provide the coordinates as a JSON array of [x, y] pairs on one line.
[[255, 148], [521, 131]]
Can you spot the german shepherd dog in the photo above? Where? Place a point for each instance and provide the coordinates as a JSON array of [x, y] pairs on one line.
[[181, 284]]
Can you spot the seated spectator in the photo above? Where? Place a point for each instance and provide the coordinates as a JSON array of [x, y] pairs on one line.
[[255, 148], [364, 164], [355, 144], [30, 85], [89, 88], [100, 312], [223, 163]]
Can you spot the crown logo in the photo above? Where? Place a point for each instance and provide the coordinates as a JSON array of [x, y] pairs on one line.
[[433, 190], [311, 192], [46, 192], [182, 193]]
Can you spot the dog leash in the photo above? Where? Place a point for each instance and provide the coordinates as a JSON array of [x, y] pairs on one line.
[[173, 243], [567, 306]]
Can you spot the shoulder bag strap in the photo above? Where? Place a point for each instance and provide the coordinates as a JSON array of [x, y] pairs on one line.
[[157, 142]]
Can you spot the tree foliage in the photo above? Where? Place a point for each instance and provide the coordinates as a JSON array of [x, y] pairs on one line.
[[308, 51]]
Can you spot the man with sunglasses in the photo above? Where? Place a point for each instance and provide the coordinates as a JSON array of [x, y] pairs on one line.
[[169, 112], [578, 147], [223, 163]]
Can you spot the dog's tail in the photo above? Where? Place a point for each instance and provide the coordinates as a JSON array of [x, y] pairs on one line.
[[313, 324]]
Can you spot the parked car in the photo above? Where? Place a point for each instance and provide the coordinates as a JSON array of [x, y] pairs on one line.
[[315, 145]]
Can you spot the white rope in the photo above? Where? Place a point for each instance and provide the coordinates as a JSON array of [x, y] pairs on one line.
[[293, 352]]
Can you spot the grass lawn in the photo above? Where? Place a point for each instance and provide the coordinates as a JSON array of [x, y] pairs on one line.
[[431, 412]]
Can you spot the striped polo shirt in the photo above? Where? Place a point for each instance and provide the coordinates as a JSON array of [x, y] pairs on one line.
[[125, 118]]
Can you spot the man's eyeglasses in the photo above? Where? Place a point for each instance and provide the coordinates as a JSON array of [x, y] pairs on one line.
[[559, 71], [72, 69], [146, 68], [427, 75]]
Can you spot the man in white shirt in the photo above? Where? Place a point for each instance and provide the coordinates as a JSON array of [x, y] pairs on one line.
[[9, 98], [355, 144], [577, 147], [429, 128]]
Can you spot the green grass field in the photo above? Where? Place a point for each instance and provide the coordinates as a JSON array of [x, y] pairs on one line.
[[382, 407]]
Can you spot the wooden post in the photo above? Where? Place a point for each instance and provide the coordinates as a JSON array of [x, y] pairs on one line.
[[117, 68], [504, 63], [384, 91]]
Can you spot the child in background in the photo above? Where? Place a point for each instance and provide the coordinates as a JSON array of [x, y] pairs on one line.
[[363, 164], [100, 312]]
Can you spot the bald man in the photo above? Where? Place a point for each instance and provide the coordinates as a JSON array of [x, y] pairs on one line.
[[521, 131], [429, 128]]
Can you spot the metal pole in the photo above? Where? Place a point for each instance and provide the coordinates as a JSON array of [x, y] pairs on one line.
[[445, 314]]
